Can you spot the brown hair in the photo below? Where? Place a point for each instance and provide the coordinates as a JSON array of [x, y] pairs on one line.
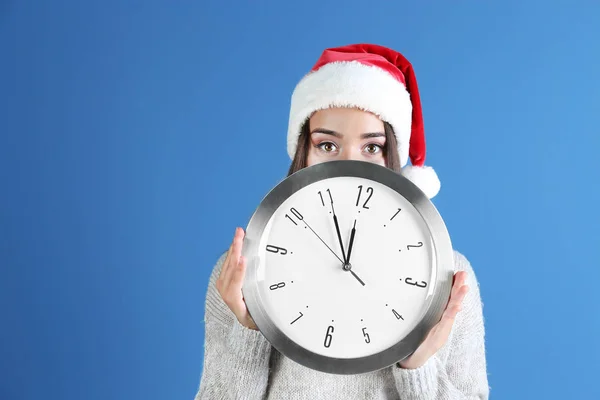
[[392, 160]]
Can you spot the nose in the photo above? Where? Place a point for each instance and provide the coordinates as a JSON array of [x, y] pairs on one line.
[[351, 154]]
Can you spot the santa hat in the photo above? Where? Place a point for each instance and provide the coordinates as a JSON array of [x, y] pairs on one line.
[[375, 79]]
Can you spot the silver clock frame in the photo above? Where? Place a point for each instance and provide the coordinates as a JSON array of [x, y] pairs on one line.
[[442, 271]]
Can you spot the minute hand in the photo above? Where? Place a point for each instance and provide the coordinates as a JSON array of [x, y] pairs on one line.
[[339, 235]]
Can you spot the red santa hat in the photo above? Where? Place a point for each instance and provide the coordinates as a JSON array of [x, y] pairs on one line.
[[375, 79]]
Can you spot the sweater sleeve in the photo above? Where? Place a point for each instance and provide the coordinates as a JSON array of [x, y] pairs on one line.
[[236, 359], [464, 374]]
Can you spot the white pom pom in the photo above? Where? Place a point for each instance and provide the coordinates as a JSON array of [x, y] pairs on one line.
[[424, 177]]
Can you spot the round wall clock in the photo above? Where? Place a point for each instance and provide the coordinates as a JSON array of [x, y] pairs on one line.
[[349, 267]]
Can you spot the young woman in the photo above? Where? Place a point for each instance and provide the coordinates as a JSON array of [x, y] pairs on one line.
[[359, 102]]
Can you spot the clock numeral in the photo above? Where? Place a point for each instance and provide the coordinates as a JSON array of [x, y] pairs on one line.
[[398, 316], [369, 191], [276, 286], [321, 196], [366, 335], [296, 214], [409, 281], [328, 336], [419, 244], [301, 315], [275, 249], [394, 216]]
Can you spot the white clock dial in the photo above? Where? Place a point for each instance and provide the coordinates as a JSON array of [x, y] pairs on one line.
[[317, 303]]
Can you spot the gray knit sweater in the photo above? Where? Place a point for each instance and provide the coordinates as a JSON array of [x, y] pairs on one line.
[[239, 363]]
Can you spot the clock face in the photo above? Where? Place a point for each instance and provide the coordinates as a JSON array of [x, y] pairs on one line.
[[338, 309], [349, 267]]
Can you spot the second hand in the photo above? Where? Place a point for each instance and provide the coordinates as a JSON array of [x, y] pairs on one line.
[[317, 235]]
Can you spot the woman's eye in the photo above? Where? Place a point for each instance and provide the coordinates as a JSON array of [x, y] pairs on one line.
[[327, 147], [373, 148]]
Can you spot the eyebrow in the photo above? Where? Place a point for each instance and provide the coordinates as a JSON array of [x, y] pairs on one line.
[[367, 135]]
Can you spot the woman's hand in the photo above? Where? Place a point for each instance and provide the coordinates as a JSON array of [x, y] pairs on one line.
[[438, 335], [231, 279]]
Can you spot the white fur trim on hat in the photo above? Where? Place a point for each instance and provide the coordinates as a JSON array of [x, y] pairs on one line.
[[424, 177], [352, 84]]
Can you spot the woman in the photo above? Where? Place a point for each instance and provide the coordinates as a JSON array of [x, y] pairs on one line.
[[358, 102]]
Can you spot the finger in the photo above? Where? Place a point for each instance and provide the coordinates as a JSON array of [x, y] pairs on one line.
[[238, 273], [229, 252], [455, 303], [225, 264], [443, 328], [234, 290], [224, 276], [458, 281], [236, 252]]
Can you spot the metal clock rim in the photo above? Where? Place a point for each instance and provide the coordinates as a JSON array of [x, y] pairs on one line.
[[434, 304]]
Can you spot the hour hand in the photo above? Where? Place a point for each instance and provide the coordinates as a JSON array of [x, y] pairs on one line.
[[352, 233], [339, 235], [347, 265]]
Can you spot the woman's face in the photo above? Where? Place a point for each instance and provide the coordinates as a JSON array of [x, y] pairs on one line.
[[345, 134]]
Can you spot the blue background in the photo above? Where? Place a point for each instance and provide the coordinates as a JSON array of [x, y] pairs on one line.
[[135, 137]]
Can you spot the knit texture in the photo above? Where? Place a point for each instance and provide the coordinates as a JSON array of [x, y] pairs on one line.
[[239, 363]]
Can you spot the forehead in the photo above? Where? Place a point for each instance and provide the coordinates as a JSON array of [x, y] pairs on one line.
[[348, 122]]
